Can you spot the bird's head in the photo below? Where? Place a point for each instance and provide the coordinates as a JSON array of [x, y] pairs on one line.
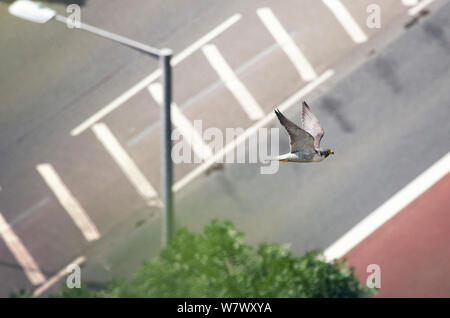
[[327, 152]]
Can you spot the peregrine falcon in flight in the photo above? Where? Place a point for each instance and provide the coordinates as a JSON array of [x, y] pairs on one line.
[[305, 143]]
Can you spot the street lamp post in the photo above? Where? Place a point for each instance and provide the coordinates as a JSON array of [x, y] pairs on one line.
[[167, 172], [35, 12]]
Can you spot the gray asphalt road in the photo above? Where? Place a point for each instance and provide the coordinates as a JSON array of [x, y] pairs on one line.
[[387, 122], [56, 78]]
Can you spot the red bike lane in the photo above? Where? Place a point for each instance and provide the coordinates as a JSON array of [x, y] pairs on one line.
[[412, 248]]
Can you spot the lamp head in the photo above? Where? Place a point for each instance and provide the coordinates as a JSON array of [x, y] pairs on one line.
[[31, 11]]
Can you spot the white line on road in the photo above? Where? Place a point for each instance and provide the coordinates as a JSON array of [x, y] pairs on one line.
[[232, 82], [126, 164], [293, 99], [419, 7], [20, 253], [410, 3], [205, 92], [205, 39], [153, 76], [68, 202], [51, 281], [389, 209], [286, 43], [190, 134], [347, 21]]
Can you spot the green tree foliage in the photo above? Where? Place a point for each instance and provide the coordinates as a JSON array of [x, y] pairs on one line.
[[218, 263]]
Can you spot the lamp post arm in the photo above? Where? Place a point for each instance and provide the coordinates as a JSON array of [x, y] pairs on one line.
[[115, 37]]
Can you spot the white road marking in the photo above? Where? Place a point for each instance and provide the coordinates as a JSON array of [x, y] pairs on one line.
[[389, 209], [68, 202], [190, 134], [126, 164], [232, 82], [205, 92], [292, 100], [286, 43], [410, 3], [51, 281], [347, 21], [153, 76], [419, 7], [20, 253], [205, 39]]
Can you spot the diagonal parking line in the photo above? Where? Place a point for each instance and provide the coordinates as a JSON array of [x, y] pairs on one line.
[[126, 164], [346, 20], [419, 7], [21, 254], [286, 43], [184, 126], [232, 82], [69, 202], [410, 3], [153, 76]]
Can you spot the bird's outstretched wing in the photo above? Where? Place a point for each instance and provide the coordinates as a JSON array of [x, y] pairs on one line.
[[311, 124], [300, 140]]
